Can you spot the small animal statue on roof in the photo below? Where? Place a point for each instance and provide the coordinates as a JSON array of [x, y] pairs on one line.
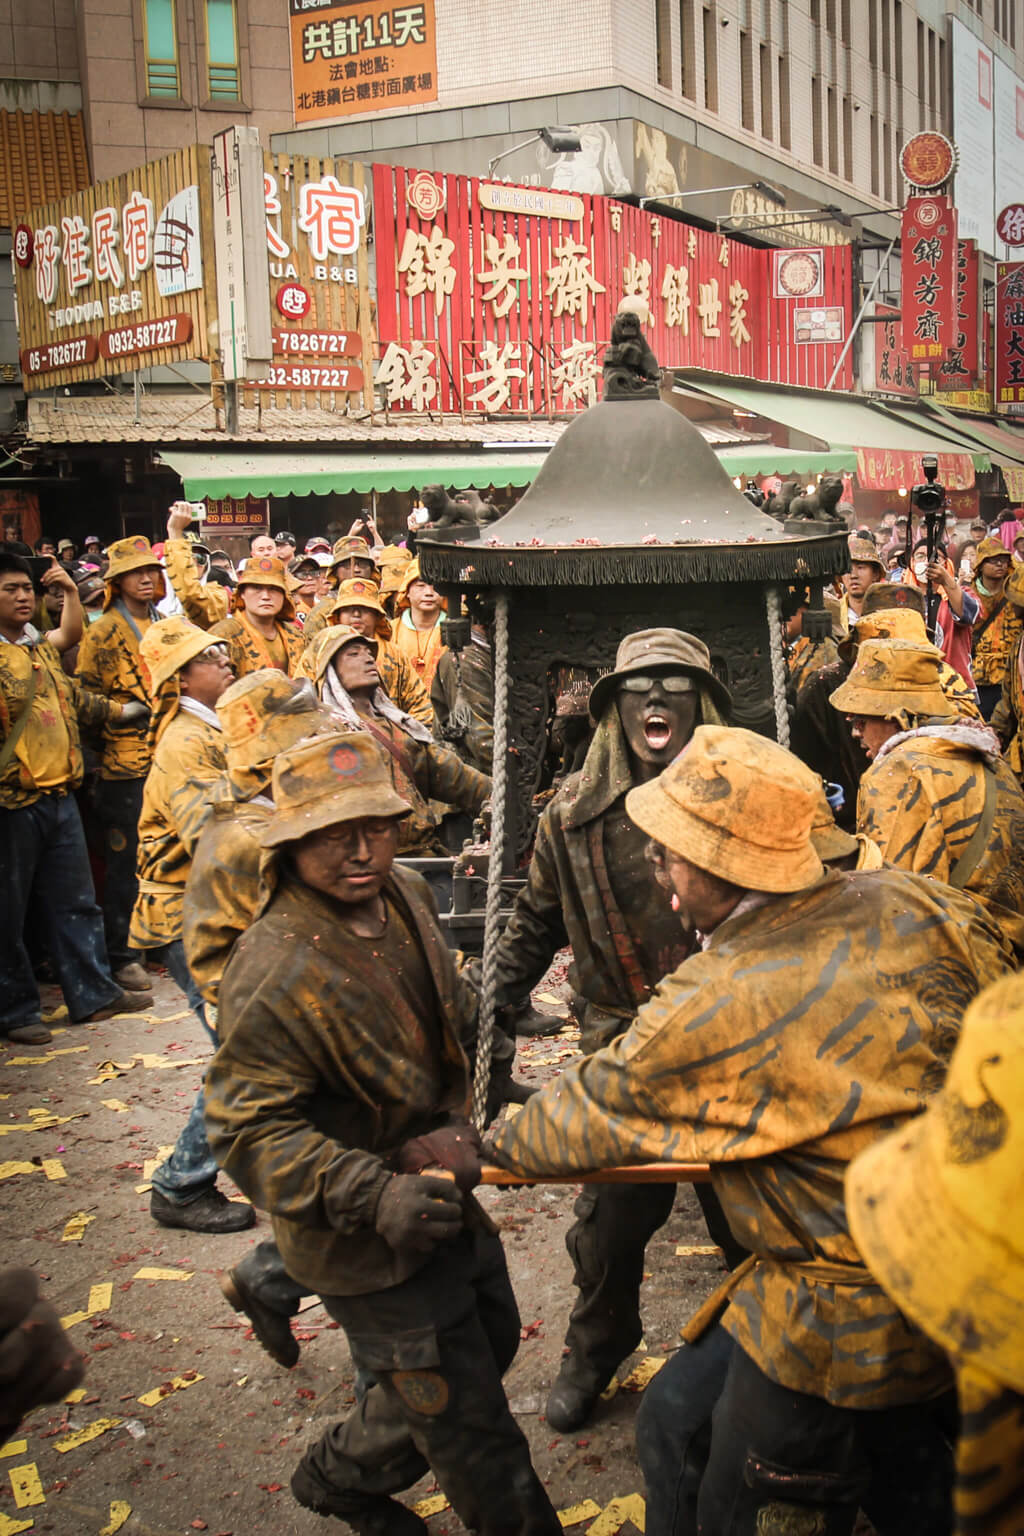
[[631, 370], [464, 507], [820, 506], [780, 503]]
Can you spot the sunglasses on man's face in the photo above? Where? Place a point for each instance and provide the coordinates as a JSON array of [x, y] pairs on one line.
[[213, 653], [674, 683]]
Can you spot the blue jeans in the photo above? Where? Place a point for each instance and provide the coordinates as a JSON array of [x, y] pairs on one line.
[[191, 1169], [673, 1431], [44, 866]]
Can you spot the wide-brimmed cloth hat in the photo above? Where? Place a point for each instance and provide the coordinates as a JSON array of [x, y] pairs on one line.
[[135, 554], [352, 547], [170, 644], [737, 805], [829, 839], [668, 650], [1014, 588], [263, 714], [329, 642], [894, 679], [991, 549], [863, 552], [327, 780], [358, 592], [265, 571], [935, 1208], [906, 623]]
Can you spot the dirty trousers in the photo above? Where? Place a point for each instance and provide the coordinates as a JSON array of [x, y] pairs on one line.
[[727, 1452], [438, 1345], [117, 808], [607, 1244]]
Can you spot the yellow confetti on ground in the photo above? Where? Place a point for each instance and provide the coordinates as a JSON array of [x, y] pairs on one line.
[[163, 1063], [8, 1170], [74, 1227], [614, 1515], [53, 1168], [41, 1121], [100, 1297], [75, 1396], [28, 1490], [643, 1374], [432, 1506], [151, 1164], [9, 1527], [149, 1273], [39, 1061], [610, 1390], [83, 1436], [172, 1018], [691, 1250], [119, 1512], [60, 1012], [117, 1105], [549, 997], [14, 1448], [73, 1318], [577, 1512], [108, 1070], [176, 1384]]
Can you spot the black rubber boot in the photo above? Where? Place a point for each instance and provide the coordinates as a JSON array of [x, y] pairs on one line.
[[212, 1212], [272, 1329], [369, 1514]]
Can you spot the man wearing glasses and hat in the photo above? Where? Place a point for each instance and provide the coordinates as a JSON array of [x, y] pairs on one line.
[[357, 603], [818, 1012], [589, 886]]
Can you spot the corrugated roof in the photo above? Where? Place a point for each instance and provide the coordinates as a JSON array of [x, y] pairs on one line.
[[43, 156], [190, 418]]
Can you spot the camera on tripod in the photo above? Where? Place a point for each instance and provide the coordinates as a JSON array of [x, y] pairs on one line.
[[930, 498], [930, 501]]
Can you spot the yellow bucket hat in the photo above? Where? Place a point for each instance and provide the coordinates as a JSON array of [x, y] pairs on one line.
[[327, 780], [829, 839], [127, 555], [327, 644], [935, 1208], [170, 644], [737, 805], [265, 713], [265, 571], [885, 624], [352, 547], [1014, 588], [358, 592], [894, 679], [991, 549]]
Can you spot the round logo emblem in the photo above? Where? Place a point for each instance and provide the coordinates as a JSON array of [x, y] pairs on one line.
[[142, 546], [928, 160], [1010, 224], [928, 213], [24, 245], [424, 196], [266, 565], [293, 301], [344, 762]]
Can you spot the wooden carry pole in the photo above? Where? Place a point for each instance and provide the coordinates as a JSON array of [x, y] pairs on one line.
[[640, 1173]]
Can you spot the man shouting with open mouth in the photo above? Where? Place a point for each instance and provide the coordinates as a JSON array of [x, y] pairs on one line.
[[590, 886]]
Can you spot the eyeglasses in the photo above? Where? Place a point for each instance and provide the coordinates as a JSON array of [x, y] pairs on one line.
[[212, 654], [346, 834], [674, 683]]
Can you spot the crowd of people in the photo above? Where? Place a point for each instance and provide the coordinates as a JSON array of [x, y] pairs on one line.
[[799, 967]]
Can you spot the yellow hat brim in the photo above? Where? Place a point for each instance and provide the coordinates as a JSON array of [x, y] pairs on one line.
[[888, 703], [719, 850], [333, 809], [954, 1279]]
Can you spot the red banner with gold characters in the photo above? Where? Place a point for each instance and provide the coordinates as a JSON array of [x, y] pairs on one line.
[[359, 55], [929, 246], [961, 366], [892, 469], [1009, 338]]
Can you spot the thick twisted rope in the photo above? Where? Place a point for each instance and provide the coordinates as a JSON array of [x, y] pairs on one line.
[[492, 911], [778, 658]]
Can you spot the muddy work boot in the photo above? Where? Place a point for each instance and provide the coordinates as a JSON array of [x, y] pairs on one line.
[[369, 1514], [272, 1329], [133, 977], [569, 1405], [212, 1212]]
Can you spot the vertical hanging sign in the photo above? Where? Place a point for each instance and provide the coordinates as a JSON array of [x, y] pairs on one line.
[[961, 366], [928, 303], [1009, 338], [240, 243]]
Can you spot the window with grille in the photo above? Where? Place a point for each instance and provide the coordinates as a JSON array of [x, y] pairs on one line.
[[163, 77], [222, 50]]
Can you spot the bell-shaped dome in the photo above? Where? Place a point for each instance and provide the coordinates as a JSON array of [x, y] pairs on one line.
[[632, 492]]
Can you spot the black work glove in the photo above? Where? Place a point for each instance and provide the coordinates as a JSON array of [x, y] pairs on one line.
[[416, 1212], [38, 1362], [455, 1147]]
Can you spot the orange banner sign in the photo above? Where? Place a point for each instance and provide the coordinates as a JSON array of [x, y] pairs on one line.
[[888, 469], [349, 58]]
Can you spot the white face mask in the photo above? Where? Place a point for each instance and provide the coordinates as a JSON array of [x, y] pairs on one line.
[[920, 566]]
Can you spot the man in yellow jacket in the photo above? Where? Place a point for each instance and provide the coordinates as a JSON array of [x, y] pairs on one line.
[[109, 663], [937, 797], [188, 671], [819, 1013], [261, 630]]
